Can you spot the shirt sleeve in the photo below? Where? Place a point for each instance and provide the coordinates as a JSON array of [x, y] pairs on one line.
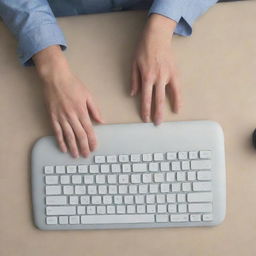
[[184, 12], [33, 24]]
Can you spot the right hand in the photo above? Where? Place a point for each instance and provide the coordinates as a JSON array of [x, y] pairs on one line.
[[69, 103]]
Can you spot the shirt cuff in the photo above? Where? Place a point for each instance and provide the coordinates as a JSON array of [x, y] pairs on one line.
[[38, 39], [172, 9]]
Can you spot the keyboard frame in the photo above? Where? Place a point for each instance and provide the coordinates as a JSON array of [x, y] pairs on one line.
[[168, 137]]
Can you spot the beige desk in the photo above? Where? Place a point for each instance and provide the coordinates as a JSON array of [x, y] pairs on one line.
[[218, 65]]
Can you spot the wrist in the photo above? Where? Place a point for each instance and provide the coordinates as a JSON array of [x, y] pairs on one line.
[[160, 24], [51, 64]]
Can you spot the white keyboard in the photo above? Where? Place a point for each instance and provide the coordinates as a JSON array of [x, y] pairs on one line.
[[131, 190]]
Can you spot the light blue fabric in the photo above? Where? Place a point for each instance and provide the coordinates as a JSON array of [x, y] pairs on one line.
[[34, 25]]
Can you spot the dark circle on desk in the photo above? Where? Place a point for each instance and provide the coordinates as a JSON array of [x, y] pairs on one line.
[[254, 139]]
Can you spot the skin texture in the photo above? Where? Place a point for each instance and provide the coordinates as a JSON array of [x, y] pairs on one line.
[[71, 106]]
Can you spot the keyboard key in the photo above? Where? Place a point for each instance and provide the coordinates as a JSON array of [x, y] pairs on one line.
[[150, 199], [161, 208], [100, 179], [200, 197], [165, 187], [147, 157], [63, 220], [74, 220], [60, 169], [123, 189], [118, 199], [172, 208], [171, 156], [181, 176], [136, 178], [51, 179], [165, 166], [48, 169], [73, 200], [120, 209], [202, 186], [170, 176], [162, 218], [135, 158], [195, 217], [92, 190], [201, 164], [186, 186], [139, 199], [101, 209], [139, 167], [175, 166], [133, 189], [116, 168], [158, 156], [60, 210], [53, 190], [94, 168], [99, 159], [104, 168], [204, 175], [88, 179], [76, 179], [102, 189], [56, 200], [179, 218], [171, 198], [205, 154], [181, 198], [82, 169], [141, 208], [111, 159], [68, 190], [182, 208], [80, 210], [71, 169], [175, 187], [185, 165], [51, 220], [207, 217], [193, 155], [160, 198], [153, 188], [112, 189], [183, 155], [112, 179], [147, 178], [126, 168], [90, 209], [153, 167], [118, 219], [111, 209], [80, 190], [200, 207], [96, 200], [64, 179], [123, 158], [191, 176], [159, 177], [85, 199], [107, 199], [123, 179], [143, 189], [151, 208]]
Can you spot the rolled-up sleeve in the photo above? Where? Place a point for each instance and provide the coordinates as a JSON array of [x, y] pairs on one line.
[[184, 12], [33, 24]]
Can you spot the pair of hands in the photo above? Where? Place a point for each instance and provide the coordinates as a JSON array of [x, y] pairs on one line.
[[71, 106]]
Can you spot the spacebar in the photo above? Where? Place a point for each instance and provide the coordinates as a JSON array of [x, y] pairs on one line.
[[112, 219]]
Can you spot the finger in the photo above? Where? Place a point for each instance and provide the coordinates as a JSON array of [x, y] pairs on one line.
[[146, 101], [87, 125], [174, 95], [159, 103], [70, 138], [59, 135], [81, 137], [135, 80], [94, 111]]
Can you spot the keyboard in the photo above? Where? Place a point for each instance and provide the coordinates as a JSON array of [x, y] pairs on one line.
[[141, 176]]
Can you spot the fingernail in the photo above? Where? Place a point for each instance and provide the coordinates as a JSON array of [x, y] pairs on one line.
[[146, 119]]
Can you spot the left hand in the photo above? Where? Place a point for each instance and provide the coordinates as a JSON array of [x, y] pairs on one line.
[[153, 69]]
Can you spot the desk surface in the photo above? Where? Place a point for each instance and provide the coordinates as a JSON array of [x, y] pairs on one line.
[[218, 71]]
